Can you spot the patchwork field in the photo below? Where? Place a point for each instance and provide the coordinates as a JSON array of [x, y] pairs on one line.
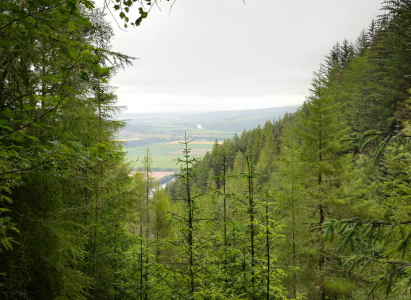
[[166, 155], [162, 133]]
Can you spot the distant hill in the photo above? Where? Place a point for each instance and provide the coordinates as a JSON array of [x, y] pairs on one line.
[[231, 121], [266, 113]]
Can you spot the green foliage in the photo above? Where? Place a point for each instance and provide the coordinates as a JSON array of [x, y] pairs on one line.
[[62, 175], [346, 213], [315, 205]]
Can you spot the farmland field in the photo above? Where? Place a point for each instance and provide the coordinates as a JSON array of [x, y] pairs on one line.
[[162, 133], [166, 155]]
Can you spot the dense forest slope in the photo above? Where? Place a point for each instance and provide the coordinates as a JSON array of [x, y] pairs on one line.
[[315, 205], [333, 176]]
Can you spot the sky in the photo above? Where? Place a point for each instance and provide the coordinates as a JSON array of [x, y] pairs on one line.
[[208, 55]]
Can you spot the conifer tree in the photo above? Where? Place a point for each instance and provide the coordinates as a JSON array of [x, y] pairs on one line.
[[147, 162], [347, 53], [188, 222], [265, 164], [321, 134], [287, 185], [59, 138], [361, 44]]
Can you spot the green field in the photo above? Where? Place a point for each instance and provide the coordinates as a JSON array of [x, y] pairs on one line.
[[166, 155], [159, 131]]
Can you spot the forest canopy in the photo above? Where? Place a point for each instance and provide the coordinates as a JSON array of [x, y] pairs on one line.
[[315, 205]]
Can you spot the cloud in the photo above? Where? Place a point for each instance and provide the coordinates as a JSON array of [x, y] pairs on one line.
[[222, 52]]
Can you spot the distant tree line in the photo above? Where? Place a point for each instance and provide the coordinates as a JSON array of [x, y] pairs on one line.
[[156, 140], [140, 128], [144, 142]]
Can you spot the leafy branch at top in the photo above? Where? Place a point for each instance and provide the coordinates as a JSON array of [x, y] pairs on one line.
[[123, 9]]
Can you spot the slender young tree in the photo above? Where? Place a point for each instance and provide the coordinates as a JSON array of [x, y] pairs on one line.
[[267, 224], [286, 183], [250, 203], [188, 221], [147, 161], [222, 178], [321, 133]]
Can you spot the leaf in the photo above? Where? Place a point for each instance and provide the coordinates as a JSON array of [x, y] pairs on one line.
[[330, 231], [387, 235], [88, 4], [367, 142], [72, 25], [361, 143], [381, 148], [402, 245], [365, 265], [343, 228]]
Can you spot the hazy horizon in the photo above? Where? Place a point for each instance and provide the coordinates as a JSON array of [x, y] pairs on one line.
[[206, 111], [223, 55]]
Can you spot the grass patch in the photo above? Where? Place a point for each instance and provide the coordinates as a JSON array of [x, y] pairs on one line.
[[165, 155]]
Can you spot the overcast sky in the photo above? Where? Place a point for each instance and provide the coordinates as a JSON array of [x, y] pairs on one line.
[[223, 54]]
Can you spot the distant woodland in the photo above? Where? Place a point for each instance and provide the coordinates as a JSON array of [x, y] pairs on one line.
[[315, 205]]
